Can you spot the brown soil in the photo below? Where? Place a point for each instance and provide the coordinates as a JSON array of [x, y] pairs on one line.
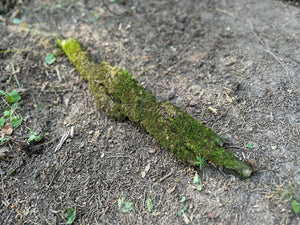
[[238, 57]]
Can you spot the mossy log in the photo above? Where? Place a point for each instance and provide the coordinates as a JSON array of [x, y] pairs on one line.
[[118, 94]]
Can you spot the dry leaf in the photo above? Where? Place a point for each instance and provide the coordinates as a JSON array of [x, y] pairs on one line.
[[7, 129], [213, 110], [147, 168], [228, 98], [211, 215], [253, 164], [185, 218], [172, 189]]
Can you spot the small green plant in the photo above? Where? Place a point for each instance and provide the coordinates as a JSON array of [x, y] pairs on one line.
[[70, 215], [289, 195], [8, 111], [34, 136], [149, 205], [182, 210], [50, 58], [11, 119], [124, 206], [198, 182], [296, 206], [201, 162], [93, 17], [11, 97], [249, 145], [3, 140]]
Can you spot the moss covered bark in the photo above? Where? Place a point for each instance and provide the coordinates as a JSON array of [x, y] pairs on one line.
[[118, 94]]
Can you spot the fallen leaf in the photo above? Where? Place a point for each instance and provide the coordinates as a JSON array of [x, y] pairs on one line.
[[147, 168], [253, 164], [213, 110], [228, 98], [7, 129], [172, 189], [185, 218]]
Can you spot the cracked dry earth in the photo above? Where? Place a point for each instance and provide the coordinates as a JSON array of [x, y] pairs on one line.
[[233, 65]]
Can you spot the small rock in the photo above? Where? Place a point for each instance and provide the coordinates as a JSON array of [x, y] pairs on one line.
[[211, 215], [193, 103], [171, 95], [152, 150]]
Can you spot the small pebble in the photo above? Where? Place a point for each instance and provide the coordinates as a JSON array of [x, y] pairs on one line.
[[171, 95], [192, 103]]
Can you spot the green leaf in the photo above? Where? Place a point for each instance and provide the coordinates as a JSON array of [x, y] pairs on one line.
[[16, 21], [296, 206], [182, 210], [3, 140], [35, 136], [94, 17], [249, 145], [288, 194], [182, 198], [13, 97], [50, 58], [197, 179], [7, 113], [133, 7], [149, 204], [113, 1], [3, 93], [16, 121], [2, 122], [199, 187], [124, 206], [71, 215], [201, 162]]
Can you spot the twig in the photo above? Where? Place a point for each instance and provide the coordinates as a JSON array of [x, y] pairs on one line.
[[279, 60], [61, 166], [62, 140], [14, 73], [118, 156], [58, 75], [165, 177], [224, 11]]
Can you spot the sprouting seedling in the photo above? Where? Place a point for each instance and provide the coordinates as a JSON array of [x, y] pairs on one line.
[[70, 215], [201, 162], [124, 206], [9, 111], [35, 136]]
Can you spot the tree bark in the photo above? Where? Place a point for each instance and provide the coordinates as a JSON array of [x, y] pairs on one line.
[[118, 94]]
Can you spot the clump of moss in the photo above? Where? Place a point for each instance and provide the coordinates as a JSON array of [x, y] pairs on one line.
[[118, 94]]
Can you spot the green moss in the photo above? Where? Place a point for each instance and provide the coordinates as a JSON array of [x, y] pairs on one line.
[[118, 94]]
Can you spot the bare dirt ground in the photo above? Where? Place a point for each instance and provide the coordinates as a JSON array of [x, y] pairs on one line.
[[239, 57]]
